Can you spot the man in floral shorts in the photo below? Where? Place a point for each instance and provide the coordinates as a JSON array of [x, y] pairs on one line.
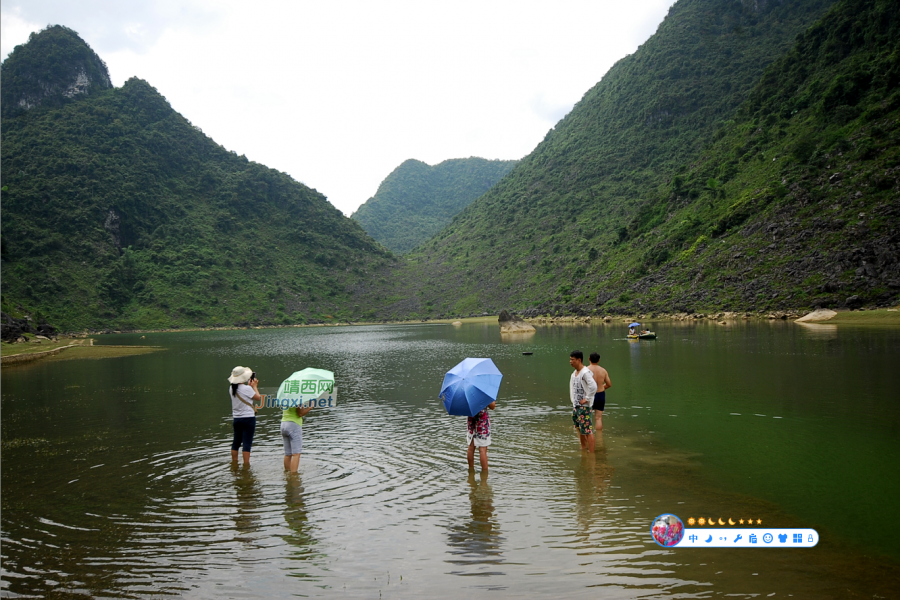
[[582, 388], [479, 436]]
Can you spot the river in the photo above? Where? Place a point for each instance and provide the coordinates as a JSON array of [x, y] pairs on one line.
[[117, 482]]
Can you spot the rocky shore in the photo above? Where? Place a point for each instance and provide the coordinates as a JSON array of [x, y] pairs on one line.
[[718, 317], [15, 330]]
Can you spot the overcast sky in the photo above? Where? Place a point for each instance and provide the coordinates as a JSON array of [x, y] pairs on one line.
[[339, 93]]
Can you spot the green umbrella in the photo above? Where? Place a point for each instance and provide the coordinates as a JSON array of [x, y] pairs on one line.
[[309, 387]]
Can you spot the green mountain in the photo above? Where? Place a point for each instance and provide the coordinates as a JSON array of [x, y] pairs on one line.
[[416, 200], [659, 192], [52, 68], [746, 157], [118, 213]]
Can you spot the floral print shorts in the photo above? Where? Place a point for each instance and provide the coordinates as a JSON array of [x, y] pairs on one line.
[[479, 430], [581, 416]]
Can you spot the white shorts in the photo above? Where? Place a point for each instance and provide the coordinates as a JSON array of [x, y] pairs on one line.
[[479, 442]]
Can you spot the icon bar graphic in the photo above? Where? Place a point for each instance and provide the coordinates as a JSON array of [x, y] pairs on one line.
[[762, 537]]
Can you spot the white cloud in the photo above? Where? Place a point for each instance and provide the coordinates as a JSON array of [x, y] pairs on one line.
[[14, 30], [339, 93]]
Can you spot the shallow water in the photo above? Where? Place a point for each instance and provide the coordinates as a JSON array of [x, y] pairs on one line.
[[117, 482]]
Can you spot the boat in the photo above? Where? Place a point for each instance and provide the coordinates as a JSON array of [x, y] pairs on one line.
[[649, 335]]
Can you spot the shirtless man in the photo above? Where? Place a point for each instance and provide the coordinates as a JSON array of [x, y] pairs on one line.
[[601, 376]]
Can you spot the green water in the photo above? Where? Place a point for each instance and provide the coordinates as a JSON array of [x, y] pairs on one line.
[[117, 481]]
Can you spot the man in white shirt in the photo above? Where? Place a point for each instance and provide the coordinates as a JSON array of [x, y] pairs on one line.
[[582, 388]]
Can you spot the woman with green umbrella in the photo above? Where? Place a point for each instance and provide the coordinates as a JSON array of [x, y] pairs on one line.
[[292, 435], [301, 386]]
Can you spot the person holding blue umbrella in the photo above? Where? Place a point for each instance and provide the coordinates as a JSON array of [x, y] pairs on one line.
[[470, 389], [479, 436]]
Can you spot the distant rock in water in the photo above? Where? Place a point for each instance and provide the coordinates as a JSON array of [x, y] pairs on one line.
[[512, 323]]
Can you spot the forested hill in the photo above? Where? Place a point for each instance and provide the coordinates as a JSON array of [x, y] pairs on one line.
[[118, 213], [416, 200], [608, 213]]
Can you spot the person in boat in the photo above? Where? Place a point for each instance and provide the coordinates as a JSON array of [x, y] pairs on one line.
[[632, 330]]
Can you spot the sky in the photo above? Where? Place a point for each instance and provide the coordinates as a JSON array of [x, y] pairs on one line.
[[338, 93]]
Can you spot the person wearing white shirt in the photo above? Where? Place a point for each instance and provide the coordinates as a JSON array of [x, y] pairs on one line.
[[582, 388], [243, 392]]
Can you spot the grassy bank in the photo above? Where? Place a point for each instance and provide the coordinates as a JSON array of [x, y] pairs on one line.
[[889, 317], [96, 352], [32, 347], [65, 349]]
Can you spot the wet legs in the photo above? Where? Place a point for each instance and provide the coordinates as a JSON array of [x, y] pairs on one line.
[[292, 462], [482, 455], [598, 420]]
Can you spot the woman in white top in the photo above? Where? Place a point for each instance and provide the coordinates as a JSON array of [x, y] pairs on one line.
[[243, 392]]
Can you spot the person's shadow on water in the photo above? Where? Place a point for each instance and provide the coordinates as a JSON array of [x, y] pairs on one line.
[[477, 541]]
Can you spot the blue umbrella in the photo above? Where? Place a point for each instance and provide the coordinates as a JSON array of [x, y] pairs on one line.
[[635, 325], [470, 386]]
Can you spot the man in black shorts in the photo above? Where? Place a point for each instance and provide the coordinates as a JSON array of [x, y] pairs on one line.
[[601, 376]]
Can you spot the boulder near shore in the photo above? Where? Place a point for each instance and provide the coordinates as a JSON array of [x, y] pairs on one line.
[[821, 314], [511, 323]]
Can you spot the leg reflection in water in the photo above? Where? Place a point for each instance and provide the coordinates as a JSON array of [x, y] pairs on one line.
[[476, 541], [592, 480], [297, 519], [246, 513]]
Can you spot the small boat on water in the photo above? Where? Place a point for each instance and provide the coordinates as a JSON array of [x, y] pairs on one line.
[[634, 334], [647, 335]]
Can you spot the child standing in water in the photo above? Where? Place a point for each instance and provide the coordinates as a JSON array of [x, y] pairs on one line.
[[479, 436]]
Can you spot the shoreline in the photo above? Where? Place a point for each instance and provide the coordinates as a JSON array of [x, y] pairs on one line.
[[449, 320], [886, 317], [24, 356], [77, 348]]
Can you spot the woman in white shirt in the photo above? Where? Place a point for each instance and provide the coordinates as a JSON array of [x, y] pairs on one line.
[[244, 390]]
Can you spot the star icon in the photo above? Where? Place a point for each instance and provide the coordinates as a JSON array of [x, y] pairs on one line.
[[759, 521], [741, 521]]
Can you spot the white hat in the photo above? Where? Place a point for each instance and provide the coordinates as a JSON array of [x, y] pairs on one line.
[[240, 375]]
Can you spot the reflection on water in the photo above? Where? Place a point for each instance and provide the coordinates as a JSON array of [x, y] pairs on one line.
[[117, 480], [297, 518], [248, 495], [476, 540], [821, 331]]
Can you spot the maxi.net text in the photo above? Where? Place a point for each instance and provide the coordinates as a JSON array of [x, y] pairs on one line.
[[286, 403]]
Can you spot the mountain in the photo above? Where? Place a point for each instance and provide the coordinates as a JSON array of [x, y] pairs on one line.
[[118, 213], [795, 202], [635, 199], [53, 67], [416, 200]]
